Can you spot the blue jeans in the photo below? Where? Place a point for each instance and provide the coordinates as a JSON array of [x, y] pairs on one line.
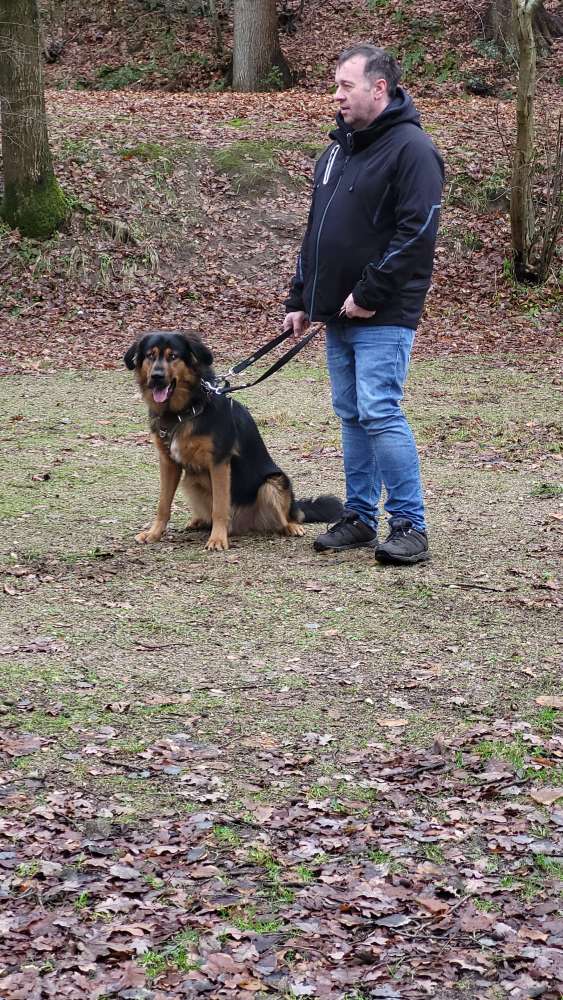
[[368, 366]]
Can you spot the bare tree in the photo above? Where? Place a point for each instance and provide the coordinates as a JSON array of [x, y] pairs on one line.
[[33, 201], [533, 246], [52, 14], [499, 25], [258, 62]]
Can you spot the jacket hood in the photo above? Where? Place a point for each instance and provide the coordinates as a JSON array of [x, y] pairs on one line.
[[400, 110]]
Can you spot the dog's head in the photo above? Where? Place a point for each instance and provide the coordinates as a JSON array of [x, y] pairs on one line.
[[169, 367]]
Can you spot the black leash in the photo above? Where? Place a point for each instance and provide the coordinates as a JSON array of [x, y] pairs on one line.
[[222, 390]]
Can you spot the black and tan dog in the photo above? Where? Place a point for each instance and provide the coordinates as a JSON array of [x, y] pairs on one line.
[[232, 483]]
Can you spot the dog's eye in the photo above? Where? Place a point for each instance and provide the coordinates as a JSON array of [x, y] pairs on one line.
[[172, 356]]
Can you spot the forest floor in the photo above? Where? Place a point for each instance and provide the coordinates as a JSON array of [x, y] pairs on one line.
[[268, 773]]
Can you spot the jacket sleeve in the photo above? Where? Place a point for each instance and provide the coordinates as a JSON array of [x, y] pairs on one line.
[[418, 187], [294, 301]]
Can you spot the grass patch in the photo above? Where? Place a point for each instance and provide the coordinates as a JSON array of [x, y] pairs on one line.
[[434, 853], [515, 751], [547, 491], [121, 77], [178, 954], [247, 919], [480, 193], [226, 835]]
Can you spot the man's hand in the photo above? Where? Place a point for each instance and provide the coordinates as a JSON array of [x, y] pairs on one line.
[[296, 321], [352, 311]]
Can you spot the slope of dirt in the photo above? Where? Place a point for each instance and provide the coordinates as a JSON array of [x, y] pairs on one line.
[[442, 46]]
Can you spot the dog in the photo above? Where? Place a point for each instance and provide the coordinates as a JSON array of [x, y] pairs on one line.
[[213, 445]]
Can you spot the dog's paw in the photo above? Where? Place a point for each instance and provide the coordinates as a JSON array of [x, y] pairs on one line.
[[146, 537], [217, 543], [294, 529], [197, 524]]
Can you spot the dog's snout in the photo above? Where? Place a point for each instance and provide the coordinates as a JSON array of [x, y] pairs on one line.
[[157, 374]]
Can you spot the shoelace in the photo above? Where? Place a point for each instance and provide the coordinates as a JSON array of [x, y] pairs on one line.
[[399, 530]]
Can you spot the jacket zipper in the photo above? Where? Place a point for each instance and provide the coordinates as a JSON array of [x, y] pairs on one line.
[[312, 310]]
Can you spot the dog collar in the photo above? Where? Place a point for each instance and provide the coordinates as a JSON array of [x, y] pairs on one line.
[[167, 433]]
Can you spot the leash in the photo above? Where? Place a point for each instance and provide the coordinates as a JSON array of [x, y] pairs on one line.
[[223, 385]]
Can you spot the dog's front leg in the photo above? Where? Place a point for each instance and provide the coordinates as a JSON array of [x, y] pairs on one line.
[[170, 473], [221, 510]]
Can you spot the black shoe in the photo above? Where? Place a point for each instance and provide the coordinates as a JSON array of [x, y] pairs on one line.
[[348, 533], [405, 545]]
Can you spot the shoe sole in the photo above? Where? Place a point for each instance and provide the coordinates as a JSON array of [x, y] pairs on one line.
[[343, 548], [384, 557]]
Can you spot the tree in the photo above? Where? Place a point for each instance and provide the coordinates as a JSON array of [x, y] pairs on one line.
[[499, 25], [533, 247], [52, 15], [258, 62], [33, 201]]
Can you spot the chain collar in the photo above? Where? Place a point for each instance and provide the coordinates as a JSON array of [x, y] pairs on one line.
[[166, 433]]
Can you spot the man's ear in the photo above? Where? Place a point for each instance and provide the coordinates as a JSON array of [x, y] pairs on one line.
[[199, 350], [130, 357]]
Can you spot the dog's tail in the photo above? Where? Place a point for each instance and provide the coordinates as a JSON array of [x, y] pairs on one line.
[[324, 508]]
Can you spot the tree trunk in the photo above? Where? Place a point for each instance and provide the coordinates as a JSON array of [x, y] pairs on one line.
[[217, 27], [258, 62], [522, 219], [33, 201], [499, 26], [52, 24]]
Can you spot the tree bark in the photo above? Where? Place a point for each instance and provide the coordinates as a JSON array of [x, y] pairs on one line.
[[52, 24], [258, 62], [33, 201], [499, 26], [522, 216]]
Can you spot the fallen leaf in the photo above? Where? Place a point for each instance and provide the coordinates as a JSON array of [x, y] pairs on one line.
[[124, 871], [547, 796], [432, 904], [550, 701]]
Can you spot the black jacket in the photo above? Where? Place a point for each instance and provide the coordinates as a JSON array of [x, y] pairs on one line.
[[373, 221]]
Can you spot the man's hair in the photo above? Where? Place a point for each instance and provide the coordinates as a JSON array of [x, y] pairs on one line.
[[379, 64]]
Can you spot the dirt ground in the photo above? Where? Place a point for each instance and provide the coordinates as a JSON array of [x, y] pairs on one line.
[[289, 706], [268, 773]]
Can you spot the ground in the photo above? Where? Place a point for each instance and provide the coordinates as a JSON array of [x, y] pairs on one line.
[[267, 772]]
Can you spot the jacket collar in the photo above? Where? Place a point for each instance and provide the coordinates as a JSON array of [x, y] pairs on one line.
[[400, 109]]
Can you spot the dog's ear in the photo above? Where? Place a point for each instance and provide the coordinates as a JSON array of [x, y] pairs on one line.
[[130, 357], [199, 350]]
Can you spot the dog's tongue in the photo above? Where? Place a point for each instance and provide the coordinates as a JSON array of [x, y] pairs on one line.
[[160, 395]]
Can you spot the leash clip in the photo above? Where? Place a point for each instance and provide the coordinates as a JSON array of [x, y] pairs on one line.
[[218, 388]]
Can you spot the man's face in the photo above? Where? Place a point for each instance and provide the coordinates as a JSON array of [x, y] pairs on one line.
[[360, 100]]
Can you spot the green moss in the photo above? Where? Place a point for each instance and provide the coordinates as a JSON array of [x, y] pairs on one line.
[[253, 167], [37, 210], [143, 150]]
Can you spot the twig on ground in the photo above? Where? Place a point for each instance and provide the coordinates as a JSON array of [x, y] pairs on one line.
[[478, 586]]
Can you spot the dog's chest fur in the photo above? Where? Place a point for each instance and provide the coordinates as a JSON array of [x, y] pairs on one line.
[[192, 451]]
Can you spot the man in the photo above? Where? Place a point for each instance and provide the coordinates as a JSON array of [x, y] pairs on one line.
[[364, 270]]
